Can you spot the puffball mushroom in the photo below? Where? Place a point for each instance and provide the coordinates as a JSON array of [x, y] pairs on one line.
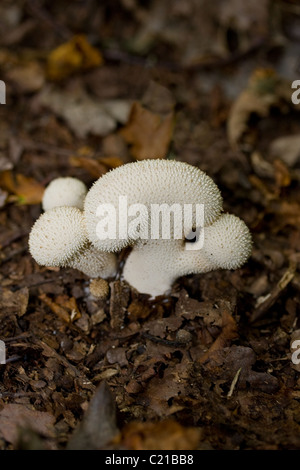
[[147, 182], [153, 266], [64, 191], [58, 238]]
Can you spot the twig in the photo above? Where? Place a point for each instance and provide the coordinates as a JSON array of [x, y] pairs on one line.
[[271, 298], [234, 382]]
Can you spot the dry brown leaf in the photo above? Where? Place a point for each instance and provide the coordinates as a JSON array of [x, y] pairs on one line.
[[27, 78], [286, 148], [149, 134], [82, 113], [228, 333], [164, 435], [25, 190], [13, 417], [14, 302], [265, 89], [96, 166], [64, 307], [73, 56]]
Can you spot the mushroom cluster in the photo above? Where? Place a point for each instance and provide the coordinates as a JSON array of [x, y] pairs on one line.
[[58, 237], [74, 235]]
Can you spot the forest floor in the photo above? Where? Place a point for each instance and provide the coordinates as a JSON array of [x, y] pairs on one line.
[[88, 89]]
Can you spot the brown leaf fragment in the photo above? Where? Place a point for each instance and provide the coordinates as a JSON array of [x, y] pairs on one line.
[[73, 56], [164, 435], [27, 78], [98, 427], [25, 190], [15, 416], [14, 302], [148, 133], [265, 89], [228, 333], [64, 307]]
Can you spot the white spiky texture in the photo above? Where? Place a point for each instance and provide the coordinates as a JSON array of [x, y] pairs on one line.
[[58, 238], [149, 182], [153, 266], [64, 191]]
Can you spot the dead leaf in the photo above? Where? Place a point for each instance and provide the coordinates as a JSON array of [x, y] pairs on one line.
[[13, 417], [27, 78], [96, 166], [164, 435], [25, 190], [148, 133], [73, 56], [14, 302], [64, 307], [228, 333], [83, 114], [98, 426], [286, 148], [265, 89]]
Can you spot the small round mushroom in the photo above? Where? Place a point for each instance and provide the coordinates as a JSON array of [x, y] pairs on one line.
[[58, 238], [153, 266], [147, 182], [64, 191]]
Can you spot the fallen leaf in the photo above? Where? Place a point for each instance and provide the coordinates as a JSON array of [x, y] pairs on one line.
[[149, 134], [13, 417], [14, 302], [164, 435], [286, 148], [27, 78], [95, 166], [73, 56], [25, 190], [64, 307], [265, 89], [83, 114], [98, 426], [228, 333]]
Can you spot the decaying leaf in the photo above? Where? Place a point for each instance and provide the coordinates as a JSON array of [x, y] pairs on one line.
[[24, 190], [83, 114], [149, 134], [28, 77], [14, 416], [265, 89], [164, 435], [64, 307], [73, 56], [14, 302], [286, 148], [98, 426]]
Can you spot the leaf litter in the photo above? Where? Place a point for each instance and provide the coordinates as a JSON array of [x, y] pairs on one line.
[[209, 366]]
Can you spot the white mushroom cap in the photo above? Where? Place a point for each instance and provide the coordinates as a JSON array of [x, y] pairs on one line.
[[149, 182], [153, 266], [58, 238], [64, 191], [227, 244]]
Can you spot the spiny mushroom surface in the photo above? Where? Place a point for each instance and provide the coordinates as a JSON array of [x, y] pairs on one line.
[[148, 182], [64, 191], [58, 238], [153, 266]]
